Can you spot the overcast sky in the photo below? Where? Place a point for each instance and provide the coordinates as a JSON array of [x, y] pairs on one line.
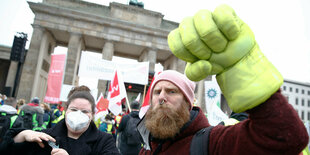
[[281, 27]]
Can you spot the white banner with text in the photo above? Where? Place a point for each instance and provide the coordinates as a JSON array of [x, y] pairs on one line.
[[95, 67]]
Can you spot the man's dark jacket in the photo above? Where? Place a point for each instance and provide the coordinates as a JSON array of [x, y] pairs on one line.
[[273, 128], [124, 147]]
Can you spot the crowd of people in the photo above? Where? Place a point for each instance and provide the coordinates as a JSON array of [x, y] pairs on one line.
[[44, 123], [263, 122], [33, 115]]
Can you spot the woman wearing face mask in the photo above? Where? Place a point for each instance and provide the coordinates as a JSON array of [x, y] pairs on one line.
[[76, 134]]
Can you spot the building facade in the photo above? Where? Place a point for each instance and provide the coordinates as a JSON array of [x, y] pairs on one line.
[[298, 95], [114, 30]]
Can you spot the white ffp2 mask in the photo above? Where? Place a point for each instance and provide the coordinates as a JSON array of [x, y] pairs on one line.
[[77, 120]]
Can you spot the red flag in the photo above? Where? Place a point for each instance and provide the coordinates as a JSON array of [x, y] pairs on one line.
[[145, 106], [117, 92], [55, 77], [102, 105]]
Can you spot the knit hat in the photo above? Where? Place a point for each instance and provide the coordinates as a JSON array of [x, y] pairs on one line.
[[180, 80], [35, 100]]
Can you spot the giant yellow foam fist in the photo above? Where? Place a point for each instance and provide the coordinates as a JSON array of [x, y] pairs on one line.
[[220, 43]]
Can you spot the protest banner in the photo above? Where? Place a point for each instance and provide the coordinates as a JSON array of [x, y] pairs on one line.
[[55, 78]]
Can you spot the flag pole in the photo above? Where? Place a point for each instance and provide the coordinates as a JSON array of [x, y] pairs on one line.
[[128, 104], [144, 93]]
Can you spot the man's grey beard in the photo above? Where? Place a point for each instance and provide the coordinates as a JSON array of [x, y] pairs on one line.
[[164, 122]]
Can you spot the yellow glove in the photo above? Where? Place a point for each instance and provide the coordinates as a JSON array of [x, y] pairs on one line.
[[221, 43]]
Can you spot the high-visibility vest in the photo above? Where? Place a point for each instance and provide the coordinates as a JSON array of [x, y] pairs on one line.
[[44, 125], [97, 123], [118, 119], [62, 116], [56, 120], [35, 123], [12, 118], [109, 129]]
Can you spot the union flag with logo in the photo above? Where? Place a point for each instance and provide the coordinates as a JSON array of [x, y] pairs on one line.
[[117, 93]]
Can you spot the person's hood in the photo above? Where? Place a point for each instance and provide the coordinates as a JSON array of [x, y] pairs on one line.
[[8, 109], [32, 109], [197, 121]]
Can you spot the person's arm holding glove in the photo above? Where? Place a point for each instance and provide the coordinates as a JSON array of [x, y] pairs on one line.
[[221, 43]]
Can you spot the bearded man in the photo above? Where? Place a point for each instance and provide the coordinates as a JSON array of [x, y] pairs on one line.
[[219, 43], [171, 122]]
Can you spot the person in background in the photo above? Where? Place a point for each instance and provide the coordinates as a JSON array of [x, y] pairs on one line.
[[47, 122], [118, 118], [56, 114], [2, 98], [32, 115], [107, 124], [9, 117], [20, 103], [129, 141], [117, 121], [76, 134]]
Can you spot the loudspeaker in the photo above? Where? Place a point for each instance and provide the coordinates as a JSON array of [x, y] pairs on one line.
[[18, 49]]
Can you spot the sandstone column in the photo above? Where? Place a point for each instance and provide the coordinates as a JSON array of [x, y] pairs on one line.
[[107, 54], [40, 79], [175, 63], [10, 80], [149, 55], [27, 79], [75, 47]]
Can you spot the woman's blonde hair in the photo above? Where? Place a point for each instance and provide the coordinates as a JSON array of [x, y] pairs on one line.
[[46, 106]]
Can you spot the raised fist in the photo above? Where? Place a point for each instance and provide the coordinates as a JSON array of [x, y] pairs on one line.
[[211, 42], [221, 43]]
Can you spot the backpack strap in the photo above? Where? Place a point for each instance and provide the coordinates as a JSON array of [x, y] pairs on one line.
[[200, 142]]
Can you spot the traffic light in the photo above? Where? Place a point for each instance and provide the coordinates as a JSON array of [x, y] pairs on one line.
[[131, 87], [18, 49]]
